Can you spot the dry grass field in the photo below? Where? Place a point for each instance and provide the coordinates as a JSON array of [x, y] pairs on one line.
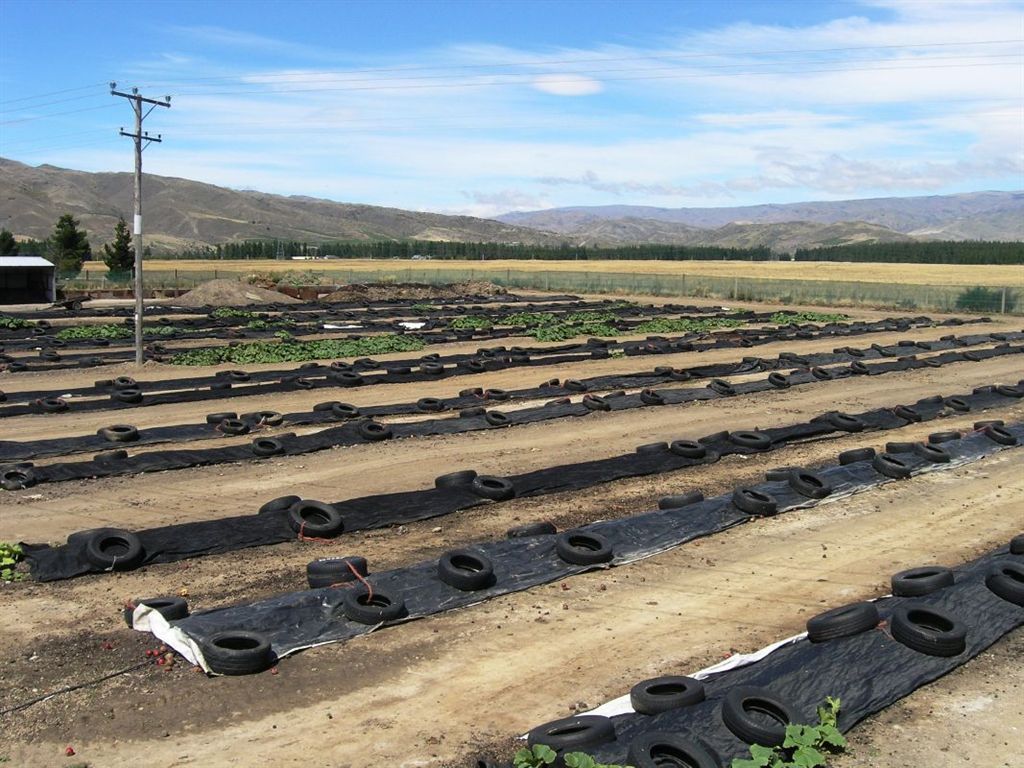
[[908, 274]]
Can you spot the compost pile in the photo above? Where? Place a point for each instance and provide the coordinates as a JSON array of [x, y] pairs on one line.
[[231, 293]]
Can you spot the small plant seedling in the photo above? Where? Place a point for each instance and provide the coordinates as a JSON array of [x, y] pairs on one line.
[[805, 746], [540, 755], [10, 556]]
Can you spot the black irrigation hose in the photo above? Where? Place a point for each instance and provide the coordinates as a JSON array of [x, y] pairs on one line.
[[465, 490], [359, 431], [867, 667], [76, 687], [11, 450], [294, 621]]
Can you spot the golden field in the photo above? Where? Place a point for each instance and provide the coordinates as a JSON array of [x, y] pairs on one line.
[[912, 274]]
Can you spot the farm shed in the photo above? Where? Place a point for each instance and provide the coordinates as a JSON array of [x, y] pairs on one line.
[[26, 280]]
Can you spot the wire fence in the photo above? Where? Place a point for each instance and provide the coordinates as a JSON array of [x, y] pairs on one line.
[[902, 296]]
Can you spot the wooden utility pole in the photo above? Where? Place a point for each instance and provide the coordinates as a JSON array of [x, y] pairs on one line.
[[137, 100]]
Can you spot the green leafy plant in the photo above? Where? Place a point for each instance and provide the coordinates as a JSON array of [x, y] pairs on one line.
[[792, 318], [540, 755], [424, 308], [805, 746], [468, 322], [223, 312], [13, 323], [289, 350], [110, 331], [686, 325], [10, 556]]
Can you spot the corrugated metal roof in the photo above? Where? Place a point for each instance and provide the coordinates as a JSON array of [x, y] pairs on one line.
[[24, 261]]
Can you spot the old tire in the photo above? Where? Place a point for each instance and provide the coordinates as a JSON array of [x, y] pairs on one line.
[[746, 711], [854, 455], [237, 652], [315, 519], [466, 569], [459, 479], [112, 549], [660, 694], [809, 484], [928, 630], [572, 734], [541, 528], [664, 749], [328, 571], [842, 622], [754, 502], [492, 487], [680, 500], [361, 606], [280, 504], [915, 582], [581, 548], [119, 433], [171, 608], [1007, 581], [891, 465]]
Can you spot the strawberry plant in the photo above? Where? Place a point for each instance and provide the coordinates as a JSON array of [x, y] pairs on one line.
[[468, 322], [806, 746]]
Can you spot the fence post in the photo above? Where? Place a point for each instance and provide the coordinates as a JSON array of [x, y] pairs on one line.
[[735, 287], [1002, 302]]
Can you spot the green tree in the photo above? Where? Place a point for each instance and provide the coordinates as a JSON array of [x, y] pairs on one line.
[[8, 245], [69, 245], [119, 255]]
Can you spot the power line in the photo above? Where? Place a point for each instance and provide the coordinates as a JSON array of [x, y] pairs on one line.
[[51, 93], [55, 114]]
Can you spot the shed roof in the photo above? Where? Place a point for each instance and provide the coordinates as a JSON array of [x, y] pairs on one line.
[[24, 261]]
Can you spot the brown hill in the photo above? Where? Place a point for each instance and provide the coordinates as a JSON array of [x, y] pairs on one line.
[[179, 212]]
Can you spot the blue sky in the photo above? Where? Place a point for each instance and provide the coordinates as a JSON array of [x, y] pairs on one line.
[[484, 107]]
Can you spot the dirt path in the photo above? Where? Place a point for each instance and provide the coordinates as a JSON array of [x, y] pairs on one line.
[[436, 687]]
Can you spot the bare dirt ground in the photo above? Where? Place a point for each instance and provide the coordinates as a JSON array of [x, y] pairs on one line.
[[436, 691]]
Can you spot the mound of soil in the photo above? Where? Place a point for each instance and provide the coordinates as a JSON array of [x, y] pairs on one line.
[[230, 293], [391, 291]]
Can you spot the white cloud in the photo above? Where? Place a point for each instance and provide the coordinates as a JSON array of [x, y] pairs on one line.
[[707, 117], [567, 84]]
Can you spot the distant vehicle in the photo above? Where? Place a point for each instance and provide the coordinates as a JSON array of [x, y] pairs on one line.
[[420, 257]]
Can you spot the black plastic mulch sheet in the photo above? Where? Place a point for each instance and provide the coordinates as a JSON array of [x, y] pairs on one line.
[[432, 331], [652, 345], [867, 672], [299, 620], [13, 450], [177, 542], [305, 306], [356, 432]]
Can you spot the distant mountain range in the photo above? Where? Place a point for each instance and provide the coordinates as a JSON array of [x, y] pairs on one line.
[[971, 216], [181, 213]]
